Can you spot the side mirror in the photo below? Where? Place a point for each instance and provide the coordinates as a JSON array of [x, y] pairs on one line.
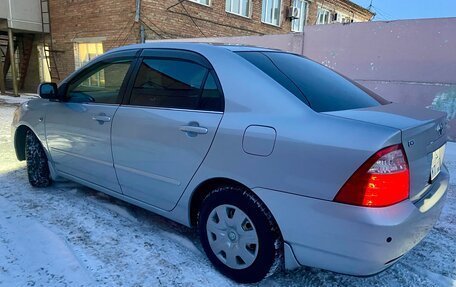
[[48, 91]]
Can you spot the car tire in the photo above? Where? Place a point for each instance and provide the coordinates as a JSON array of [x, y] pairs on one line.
[[37, 162], [239, 235]]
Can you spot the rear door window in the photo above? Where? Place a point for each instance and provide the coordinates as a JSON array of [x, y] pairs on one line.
[[319, 87], [176, 83], [211, 98]]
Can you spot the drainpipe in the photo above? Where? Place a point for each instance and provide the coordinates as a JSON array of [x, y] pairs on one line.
[[142, 34], [138, 10], [2, 79], [13, 62]]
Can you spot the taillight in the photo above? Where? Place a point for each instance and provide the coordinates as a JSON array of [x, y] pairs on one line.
[[382, 180]]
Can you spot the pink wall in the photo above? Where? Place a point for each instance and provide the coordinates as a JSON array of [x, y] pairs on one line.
[[410, 61]]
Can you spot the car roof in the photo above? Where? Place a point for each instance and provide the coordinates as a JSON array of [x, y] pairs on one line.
[[192, 46]]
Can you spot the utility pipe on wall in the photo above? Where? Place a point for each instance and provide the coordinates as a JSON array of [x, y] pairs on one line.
[[2, 79], [138, 10], [13, 62], [142, 33]]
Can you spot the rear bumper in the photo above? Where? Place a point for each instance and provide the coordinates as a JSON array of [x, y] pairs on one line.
[[348, 239]]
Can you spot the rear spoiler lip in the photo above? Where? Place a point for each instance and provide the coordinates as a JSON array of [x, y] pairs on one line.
[[401, 117]]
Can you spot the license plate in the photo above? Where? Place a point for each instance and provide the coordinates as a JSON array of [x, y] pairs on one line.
[[437, 161]]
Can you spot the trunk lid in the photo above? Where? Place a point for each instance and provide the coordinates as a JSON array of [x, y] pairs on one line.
[[423, 132]]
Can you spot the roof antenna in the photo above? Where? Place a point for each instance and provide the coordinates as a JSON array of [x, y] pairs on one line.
[[370, 5]]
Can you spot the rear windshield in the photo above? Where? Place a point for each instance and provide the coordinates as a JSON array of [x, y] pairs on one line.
[[317, 86]]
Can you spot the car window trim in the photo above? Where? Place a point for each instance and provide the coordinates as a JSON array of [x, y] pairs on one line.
[[172, 109], [180, 54]]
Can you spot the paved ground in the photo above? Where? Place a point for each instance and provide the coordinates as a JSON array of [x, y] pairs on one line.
[[69, 235]]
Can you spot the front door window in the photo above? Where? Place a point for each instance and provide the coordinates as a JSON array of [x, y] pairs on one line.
[[101, 84]]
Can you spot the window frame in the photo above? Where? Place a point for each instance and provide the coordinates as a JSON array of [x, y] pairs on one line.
[[342, 18], [249, 12], [176, 55], [78, 64], [263, 13], [325, 10], [198, 2], [302, 20]]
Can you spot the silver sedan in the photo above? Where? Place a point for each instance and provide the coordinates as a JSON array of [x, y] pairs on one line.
[[277, 160]]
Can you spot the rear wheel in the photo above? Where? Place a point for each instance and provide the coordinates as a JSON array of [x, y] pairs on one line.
[[37, 162], [239, 235]]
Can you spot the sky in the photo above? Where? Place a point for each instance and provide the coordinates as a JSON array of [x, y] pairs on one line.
[[410, 9]]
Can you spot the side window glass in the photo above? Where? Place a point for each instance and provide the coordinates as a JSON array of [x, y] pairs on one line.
[[101, 85], [211, 99], [169, 83], [267, 66]]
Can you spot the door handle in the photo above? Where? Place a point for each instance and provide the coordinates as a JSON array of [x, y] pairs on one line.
[[193, 129], [101, 118]]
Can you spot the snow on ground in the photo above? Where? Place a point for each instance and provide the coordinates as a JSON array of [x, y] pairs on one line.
[[17, 100], [70, 235]]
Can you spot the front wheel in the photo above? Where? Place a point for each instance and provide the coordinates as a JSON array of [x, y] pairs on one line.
[[239, 235], [37, 162]]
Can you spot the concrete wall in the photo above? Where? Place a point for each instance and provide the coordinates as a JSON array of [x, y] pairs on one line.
[[4, 9], [32, 80], [412, 61], [22, 15]]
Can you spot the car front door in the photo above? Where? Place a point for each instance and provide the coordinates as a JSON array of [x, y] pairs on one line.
[[163, 132], [78, 128]]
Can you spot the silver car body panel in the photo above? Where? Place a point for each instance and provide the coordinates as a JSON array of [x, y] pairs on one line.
[[32, 115], [158, 164], [293, 158], [420, 136], [350, 239], [79, 144]]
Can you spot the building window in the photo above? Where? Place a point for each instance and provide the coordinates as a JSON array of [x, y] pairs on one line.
[[270, 13], [239, 7], [323, 16], [342, 18], [297, 25], [84, 52], [203, 2]]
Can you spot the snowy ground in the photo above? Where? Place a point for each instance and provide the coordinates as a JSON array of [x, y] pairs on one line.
[[70, 235]]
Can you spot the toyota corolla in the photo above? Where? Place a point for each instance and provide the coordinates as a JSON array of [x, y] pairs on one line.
[[277, 160]]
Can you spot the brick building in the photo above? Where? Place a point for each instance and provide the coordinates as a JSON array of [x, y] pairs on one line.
[[83, 29]]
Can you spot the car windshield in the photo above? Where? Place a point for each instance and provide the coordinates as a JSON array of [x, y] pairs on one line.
[[316, 85]]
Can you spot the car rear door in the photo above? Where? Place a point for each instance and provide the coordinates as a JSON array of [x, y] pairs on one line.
[[162, 133], [78, 129]]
